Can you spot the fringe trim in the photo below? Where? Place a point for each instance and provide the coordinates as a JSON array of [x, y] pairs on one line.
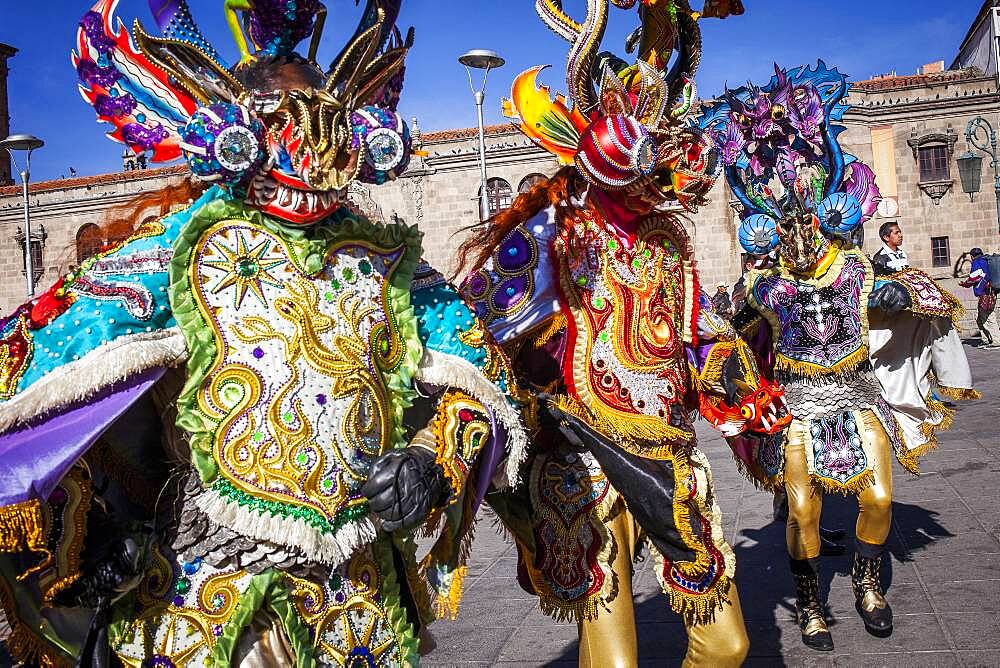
[[711, 373], [587, 610], [442, 369], [855, 485], [25, 646], [700, 609], [103, 366], [22, 527], [910, 458], [446, 607], [760, 482], [331, 550], [552, 328], [959, 393], [625, 431], [849, 363]]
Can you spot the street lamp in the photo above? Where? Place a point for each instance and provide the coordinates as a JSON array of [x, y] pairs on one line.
[[25, 143], [980, 134], [481, 59]]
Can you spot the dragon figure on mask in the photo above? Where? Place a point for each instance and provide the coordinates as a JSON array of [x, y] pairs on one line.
[[589, 284], [854, 348], [221, 431]]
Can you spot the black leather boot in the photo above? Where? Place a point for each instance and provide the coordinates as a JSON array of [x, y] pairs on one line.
[[812, 623], [868, 596]]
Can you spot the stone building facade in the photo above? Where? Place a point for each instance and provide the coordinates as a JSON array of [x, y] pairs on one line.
[[910, 129]]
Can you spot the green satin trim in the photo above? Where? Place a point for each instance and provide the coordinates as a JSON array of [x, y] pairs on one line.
[[409, 644], [268, 587]]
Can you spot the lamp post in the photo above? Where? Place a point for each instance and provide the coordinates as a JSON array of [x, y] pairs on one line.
[[25, 143], [481, 59], [981, 135]]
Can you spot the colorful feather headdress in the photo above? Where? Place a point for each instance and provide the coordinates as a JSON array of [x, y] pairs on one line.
[[625, 125], [288, 133]]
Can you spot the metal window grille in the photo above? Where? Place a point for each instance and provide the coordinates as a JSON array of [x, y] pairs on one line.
[[499, 195], [528, 181], [940, 252], [36, 260], [88, 241], [935, 163]]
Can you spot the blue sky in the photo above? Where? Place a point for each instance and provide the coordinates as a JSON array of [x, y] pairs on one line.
[[862, 37]]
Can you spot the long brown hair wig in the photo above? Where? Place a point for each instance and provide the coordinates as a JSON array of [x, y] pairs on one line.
[[476, 250]]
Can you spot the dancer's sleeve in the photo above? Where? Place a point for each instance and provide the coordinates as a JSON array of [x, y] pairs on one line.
[[732, 392]]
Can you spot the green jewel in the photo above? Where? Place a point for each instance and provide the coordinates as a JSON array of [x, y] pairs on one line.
[[327, 484], [348, 274], [328, 296], [599, 302], [581, 281], [647, 253], [247, 267], [604, 337], [288, 416], [302, 459], [336, 581], [335, 284], [183, 586], [612, 244], [258, 436], [217, 601], [365, 267], [636, 263]]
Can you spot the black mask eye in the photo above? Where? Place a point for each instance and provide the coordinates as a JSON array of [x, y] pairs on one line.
[[777, 112]]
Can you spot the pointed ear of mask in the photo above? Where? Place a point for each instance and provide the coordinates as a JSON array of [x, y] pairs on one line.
[[614, 97], [192, 69], [652, 96]]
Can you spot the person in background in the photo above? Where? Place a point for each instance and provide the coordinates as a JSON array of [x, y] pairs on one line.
[[720, 300], [891, 257], [981, 283]]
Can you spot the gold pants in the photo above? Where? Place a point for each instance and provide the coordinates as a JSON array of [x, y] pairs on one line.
[[805, 499], [610, 640]]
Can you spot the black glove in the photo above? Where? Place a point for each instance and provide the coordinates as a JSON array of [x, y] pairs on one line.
[[646, 484], [890, 298], [108, 572], [403, 487]]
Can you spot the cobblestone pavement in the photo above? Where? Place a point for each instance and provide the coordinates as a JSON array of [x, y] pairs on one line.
[[944, 585]]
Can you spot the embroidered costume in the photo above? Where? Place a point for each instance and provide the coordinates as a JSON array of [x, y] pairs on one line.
[[854, 351], [594, 294], [219, 432]]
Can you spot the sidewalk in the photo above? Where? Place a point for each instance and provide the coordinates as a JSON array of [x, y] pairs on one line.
[[944, 588]]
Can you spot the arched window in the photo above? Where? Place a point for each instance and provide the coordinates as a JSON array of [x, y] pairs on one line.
[[528, 181], [89, 240], [499, 196]]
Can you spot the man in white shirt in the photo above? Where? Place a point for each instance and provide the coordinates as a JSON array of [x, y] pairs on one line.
[[891, 257]]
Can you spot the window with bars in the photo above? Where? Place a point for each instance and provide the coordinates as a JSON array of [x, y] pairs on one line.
[[528, 181], [940, 252], [89, 240], [499, 195], [37, 268], [935, 163]]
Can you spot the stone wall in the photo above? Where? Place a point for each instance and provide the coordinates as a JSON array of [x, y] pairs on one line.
[[439, 192]]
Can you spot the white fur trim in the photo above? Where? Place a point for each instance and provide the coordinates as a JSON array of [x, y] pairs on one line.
[[331, 550], [103, 366], [442, 369]]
